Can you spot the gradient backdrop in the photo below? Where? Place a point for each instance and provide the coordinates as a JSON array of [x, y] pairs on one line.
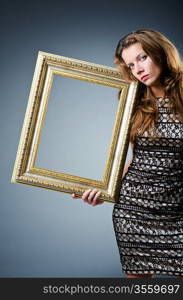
[[45, 233]]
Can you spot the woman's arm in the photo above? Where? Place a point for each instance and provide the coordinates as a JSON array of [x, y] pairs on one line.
[[128, 163], [126, 167]]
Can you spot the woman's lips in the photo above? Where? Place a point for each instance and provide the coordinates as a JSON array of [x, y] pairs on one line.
[[143, 78]]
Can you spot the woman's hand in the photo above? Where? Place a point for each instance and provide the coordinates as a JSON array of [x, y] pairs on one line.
[[90, 197]]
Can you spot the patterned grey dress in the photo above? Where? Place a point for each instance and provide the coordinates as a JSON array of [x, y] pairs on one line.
[[148, 216]]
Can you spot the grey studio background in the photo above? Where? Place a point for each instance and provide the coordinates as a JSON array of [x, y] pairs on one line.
[[45, 233]]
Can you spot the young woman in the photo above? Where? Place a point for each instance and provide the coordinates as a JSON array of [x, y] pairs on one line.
[[148, 216]]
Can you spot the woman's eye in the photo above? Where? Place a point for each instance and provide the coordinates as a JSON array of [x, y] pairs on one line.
[[143, 57]]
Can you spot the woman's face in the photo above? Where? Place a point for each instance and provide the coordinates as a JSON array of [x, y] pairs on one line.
[[141, 65]]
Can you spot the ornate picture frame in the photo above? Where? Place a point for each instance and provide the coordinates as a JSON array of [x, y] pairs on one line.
[[25, 171]]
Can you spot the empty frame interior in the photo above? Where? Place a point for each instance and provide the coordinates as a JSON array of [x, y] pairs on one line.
[[75, 133]]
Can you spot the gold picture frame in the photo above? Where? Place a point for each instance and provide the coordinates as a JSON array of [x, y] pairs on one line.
[[25, 171]]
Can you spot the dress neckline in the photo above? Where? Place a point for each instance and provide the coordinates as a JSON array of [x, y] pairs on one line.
[[164, 102]]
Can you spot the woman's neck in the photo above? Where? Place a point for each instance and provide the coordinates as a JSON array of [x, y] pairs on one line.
[[157, 91]]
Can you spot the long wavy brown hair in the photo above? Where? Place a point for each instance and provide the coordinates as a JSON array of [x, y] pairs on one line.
[[165, 55]]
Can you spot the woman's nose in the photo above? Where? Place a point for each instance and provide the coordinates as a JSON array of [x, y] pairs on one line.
[[139, 69]]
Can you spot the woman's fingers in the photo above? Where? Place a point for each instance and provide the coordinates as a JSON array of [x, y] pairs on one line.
[[90, 197], [85, 195], [95, 199]]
